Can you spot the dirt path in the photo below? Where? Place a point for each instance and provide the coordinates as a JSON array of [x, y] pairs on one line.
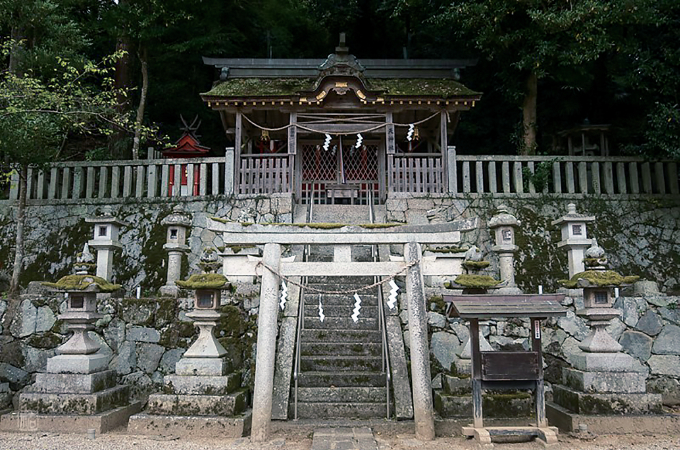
[[123, 441]]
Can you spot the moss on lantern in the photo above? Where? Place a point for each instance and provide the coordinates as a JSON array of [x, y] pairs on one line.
[[203, 281], [598, 278], [448, 250], [476, 281], [476, 264], [82, 283]]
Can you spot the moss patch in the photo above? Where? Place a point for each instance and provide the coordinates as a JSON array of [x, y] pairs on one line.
[[258, 87], [436, 87], [82, 282], [476, 264], [203, 281], [476, 281], [598, 278]]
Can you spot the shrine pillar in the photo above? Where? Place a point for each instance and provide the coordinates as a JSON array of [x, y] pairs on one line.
[[266, 344], [423, 411]]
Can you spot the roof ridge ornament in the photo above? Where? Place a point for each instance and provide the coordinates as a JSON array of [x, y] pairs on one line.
[[341, 62]]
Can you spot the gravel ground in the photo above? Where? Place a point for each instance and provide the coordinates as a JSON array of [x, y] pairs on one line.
[[290, 441]]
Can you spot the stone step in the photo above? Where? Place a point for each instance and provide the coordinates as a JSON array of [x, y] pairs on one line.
[[340, 323], [312, 299], [341, 379], [50, 403], [612, 403], [201, 385], [341, 394], [341, 310], [73, 383], [197, 405], [349, 336], [313, 410], [340, 349], [493, 405], [340, 363]]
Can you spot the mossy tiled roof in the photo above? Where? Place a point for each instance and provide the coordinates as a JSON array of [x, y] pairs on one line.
[[280, 87], [83, 283]]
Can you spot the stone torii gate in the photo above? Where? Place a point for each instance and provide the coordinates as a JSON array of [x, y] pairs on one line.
[[271, 266]]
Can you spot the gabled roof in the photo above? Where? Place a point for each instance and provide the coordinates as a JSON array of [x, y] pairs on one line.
[[309, 81], [187, 145]]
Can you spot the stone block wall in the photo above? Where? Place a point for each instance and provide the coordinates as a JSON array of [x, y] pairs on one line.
[[641, 235], [55, 233], [144, 337]]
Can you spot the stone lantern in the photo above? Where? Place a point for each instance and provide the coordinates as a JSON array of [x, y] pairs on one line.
[[574, 237], [105, 240], [207, 294], [78, 391], [503, 225], [602, 379], [178, 222], [205, 392], [77, 355]]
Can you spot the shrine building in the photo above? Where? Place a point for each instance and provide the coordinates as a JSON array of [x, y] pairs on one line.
[[340, 130]]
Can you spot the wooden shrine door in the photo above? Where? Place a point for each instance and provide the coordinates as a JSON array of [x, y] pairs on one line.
[[348, 177]]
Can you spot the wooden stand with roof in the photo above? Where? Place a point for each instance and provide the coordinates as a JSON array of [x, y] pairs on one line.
[[507, 370]]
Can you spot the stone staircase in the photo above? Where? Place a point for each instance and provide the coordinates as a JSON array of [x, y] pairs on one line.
[[341, 361]]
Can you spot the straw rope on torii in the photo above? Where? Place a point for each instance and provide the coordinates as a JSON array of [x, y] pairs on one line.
[[342, 133], [385, 279]]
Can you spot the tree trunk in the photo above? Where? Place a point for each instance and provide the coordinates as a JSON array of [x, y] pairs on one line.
[[14, 288], [17, 35], [529, 115], [142, 104], [117, 140]]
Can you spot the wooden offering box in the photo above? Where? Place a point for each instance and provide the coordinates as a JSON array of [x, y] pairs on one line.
[[507, 370]]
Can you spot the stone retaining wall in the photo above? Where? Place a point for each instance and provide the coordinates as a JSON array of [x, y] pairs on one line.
[[55, 233], [144, 337], [641, 234]]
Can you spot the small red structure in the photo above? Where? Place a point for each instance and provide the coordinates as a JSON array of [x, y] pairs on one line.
[[187, 146]]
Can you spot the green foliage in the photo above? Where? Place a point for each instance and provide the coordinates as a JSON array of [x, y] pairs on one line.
[[540, 177]]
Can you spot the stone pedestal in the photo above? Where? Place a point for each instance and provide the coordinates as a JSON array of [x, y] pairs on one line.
[[203, 397], [175, 254], [76, 394], [602, 380]]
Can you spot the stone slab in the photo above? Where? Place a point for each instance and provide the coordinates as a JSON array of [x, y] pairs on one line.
[[456, 386], [284, 368], [72, 383], [224, 427], [95, 403], [647, 425], [84, 364], [403, 401], [197, 405], [493, 405], [203, 385], [69, 423], [201, 367], [605, 382], [606, 362], [612, 403], [359, 438]]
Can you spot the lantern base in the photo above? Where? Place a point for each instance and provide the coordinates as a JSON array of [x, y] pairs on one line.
[[83, 364]]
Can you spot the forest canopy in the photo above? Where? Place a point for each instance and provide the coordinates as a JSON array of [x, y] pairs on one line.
[[543, 66]]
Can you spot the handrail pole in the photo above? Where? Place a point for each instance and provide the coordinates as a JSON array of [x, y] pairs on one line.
[[382, 320]]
